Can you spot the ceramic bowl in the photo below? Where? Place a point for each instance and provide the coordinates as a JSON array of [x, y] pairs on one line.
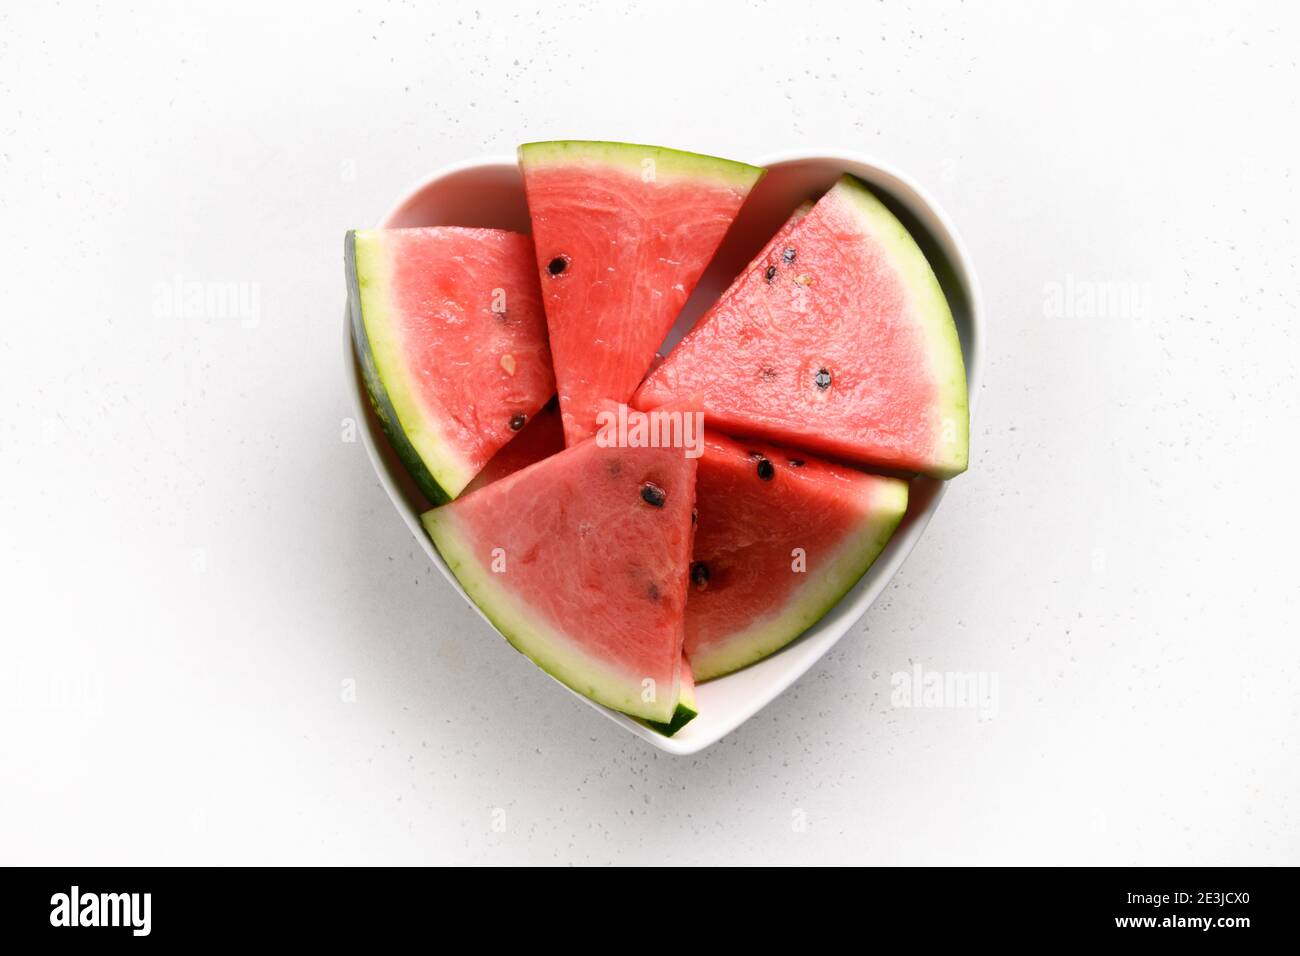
[[489, 192]]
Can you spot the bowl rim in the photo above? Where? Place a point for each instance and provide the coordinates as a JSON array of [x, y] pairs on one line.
[[853, 605]]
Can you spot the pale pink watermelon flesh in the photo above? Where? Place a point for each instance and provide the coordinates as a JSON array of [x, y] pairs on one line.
[[581, 561], [687, 680], [452, 340], [623, 233], [838, 339], [781, 537]]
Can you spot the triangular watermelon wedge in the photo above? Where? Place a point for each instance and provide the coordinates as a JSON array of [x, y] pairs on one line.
[[838, 339], [782, 536], [581, 561], [451, 337], [623, 233]]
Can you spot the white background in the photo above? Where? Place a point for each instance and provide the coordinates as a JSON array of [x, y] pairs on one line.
[[193, 560]]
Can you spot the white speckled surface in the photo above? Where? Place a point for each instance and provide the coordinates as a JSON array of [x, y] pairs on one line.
[[194, 561]]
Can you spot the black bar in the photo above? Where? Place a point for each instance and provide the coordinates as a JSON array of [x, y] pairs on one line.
[[1227, 905]]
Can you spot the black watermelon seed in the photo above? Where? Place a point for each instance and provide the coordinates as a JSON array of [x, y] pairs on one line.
[[652, 592], [699, 575], [765, 469], [796, 463], [822, 379], [652, 494], [557, 265], [517, 421], [787, 256], [769, 273], [695, 516]]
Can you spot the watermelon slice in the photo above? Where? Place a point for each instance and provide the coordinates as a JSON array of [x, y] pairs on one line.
[[581, 561], [837, 339], [451, 336], [623, 233], [540, 439], [781, 538]]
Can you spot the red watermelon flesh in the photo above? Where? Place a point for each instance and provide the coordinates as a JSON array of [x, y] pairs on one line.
[[838, 339], [747, 600], [623, 233], [581, 561], [781, 537], [451, 336], [542, 437], [777, 242]]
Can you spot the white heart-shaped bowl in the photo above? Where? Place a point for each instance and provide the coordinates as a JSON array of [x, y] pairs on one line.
[[489, 192]]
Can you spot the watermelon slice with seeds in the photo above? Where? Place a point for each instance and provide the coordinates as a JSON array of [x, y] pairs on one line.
[[781, 537], [581, 561], [623, 233], [451, 337], [751, 593], [837, 339]]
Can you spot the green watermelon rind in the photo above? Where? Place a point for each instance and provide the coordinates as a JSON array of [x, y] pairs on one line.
[[669, 164], [810, 604], [943, 347], [682, 716], [687, 710], [543, 645], [440, 474]]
